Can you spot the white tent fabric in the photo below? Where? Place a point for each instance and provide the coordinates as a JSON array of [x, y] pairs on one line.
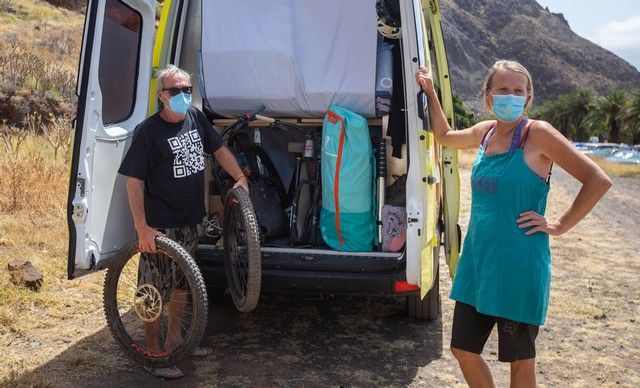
[[295, 57]]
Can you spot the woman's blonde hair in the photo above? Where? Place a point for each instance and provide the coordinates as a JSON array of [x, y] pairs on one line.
[[507, 65]]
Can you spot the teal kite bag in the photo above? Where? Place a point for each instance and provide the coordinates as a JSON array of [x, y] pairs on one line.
[[347, 217]]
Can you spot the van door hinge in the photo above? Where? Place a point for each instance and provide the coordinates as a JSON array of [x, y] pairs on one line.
[[79, 212]]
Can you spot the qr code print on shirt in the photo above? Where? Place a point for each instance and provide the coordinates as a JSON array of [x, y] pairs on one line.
[[188, 154]]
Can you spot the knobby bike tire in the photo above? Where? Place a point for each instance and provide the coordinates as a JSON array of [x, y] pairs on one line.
[[199, 302], [244, 283]]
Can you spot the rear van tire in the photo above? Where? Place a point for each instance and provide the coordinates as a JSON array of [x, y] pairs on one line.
[[426, 309]]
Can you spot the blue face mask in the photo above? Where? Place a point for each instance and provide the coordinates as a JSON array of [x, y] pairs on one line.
[[508, 108], [180, 103]]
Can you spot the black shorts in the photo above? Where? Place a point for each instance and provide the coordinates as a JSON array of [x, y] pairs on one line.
[[471, 329]]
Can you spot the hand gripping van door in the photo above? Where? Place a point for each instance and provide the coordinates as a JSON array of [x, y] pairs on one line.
[[347, 218]]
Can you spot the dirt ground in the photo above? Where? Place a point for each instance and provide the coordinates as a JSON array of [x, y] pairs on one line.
[[591, 338]]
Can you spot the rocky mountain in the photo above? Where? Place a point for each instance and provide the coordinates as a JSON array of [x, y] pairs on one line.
[[479, 32]]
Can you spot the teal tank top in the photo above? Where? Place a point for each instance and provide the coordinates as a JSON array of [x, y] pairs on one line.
[[502, 271]]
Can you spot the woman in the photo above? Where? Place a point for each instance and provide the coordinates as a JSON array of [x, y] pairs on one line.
[[504, 272]]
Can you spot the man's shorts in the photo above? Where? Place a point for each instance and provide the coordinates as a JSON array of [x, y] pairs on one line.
[[159, 269], [471, 329]]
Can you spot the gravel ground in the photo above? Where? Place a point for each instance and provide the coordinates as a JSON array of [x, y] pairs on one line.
[[591, 337], [620, 207]]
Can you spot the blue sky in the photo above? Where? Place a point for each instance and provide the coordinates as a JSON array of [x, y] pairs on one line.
[[612, 24]]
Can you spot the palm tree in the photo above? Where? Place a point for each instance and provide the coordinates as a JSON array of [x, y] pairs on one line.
[[632, 115], [578, 107], [608, 112], [554, 111]]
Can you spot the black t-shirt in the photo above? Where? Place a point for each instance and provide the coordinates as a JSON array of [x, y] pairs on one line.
[[169, 158]]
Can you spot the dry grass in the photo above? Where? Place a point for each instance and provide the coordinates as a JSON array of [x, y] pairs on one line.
[[33, 190], [39, 47], [616, 169], [40, 60], [12, 11], [467, 156]]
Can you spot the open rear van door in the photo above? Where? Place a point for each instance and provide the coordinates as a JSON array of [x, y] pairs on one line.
[[449, 165], [113, 95], [423, 175]]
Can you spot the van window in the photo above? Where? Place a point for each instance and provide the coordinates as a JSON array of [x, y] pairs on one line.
[[119, 54]]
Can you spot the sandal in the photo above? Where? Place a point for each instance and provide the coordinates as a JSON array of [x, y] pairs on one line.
[[202, 352], [169, 373]]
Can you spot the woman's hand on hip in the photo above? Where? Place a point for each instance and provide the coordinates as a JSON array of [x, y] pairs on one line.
[[538, 223]]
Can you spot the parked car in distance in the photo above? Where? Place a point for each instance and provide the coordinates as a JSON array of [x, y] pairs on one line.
[[602, 150], [582, 146], [626, 156]]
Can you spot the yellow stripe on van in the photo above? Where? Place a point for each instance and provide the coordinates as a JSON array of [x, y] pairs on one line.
[[450, 176], [427, 149], [158, 51], [429, 238]]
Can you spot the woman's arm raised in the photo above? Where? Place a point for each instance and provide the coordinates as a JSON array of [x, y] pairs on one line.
[[465, 138]]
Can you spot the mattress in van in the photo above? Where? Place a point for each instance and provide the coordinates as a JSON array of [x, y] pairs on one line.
[[295, 57]]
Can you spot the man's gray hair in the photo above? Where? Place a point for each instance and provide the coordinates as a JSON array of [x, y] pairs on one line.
[[170, 70]]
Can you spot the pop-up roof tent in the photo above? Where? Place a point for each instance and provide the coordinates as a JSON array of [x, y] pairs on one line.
[[295, 57]]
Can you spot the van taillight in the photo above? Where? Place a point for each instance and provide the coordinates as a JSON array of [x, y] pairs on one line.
[[403, 286]]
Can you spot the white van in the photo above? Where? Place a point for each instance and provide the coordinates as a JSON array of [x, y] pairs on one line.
[[124, 45]]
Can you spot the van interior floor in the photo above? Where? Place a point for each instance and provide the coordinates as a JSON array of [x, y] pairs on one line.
[[282, 246]]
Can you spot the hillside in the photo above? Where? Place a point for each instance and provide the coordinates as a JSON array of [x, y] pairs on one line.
[[39, 46], [478, 32], [41, 39]]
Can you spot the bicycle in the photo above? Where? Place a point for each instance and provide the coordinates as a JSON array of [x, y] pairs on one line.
[[240, 229], [306, 191]]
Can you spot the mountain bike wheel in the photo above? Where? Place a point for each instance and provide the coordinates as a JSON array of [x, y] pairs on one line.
[[242, 258], [147, 318]]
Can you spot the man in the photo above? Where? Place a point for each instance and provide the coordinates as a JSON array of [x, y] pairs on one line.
[[165, 184]]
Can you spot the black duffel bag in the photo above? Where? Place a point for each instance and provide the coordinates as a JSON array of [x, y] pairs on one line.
[[269, 210]]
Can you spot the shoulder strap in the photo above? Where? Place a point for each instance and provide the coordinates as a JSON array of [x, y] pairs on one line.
[[549, 175], [487, 135], [524, 139]]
